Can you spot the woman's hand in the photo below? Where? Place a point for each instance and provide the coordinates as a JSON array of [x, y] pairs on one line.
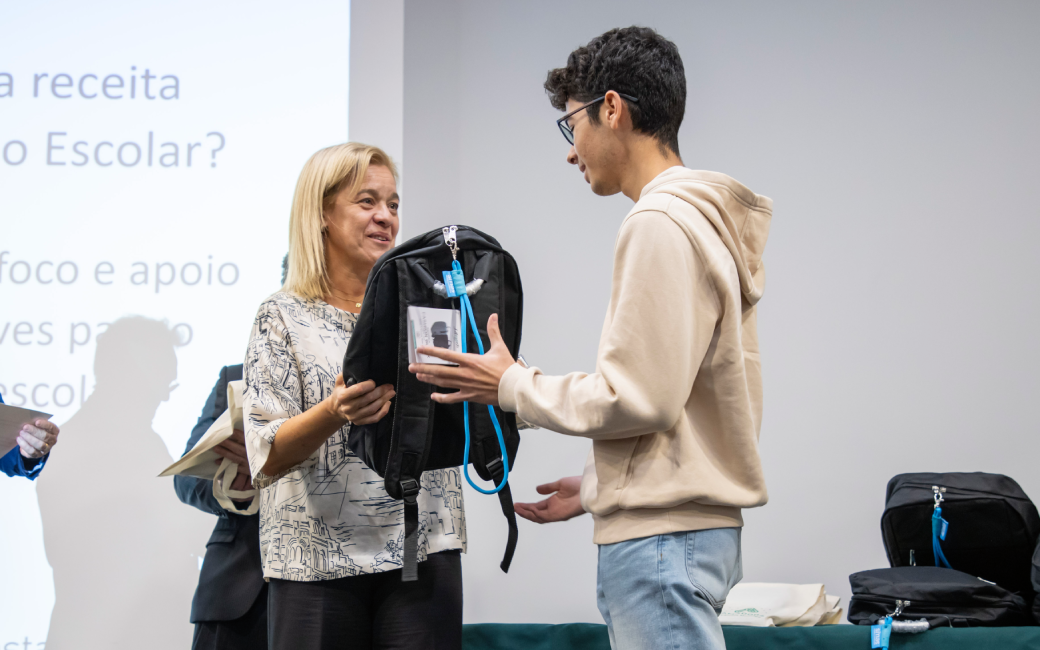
[[36, 439], [299, 436], [363, 403]]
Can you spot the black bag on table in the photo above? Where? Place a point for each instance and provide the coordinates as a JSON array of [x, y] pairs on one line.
[[993, 526], [1036, 583], [419, 434], [942, 596]]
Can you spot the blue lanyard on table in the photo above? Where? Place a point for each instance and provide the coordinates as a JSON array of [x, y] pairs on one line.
[[939, 528], [881, 633]]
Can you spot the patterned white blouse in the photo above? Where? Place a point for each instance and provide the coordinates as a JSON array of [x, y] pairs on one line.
[[328, 517]]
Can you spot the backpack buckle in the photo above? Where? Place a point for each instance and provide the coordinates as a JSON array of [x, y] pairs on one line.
[[409, 489], [495, 469]]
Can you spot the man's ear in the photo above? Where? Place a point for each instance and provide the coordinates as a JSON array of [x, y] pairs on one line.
[[615, 111]]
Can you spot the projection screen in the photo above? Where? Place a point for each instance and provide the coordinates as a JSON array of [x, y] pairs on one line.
[[148, 156]]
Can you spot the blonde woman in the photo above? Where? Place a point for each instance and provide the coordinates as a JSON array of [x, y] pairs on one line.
[[330, 536]]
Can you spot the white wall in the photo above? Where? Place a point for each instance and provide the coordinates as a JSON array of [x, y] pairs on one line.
[[898, 326]]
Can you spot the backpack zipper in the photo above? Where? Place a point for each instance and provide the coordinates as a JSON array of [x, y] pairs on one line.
[[450, 240], [963, 491], [888, 600]]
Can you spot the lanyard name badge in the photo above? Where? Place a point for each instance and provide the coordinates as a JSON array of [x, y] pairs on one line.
[[881, 633]]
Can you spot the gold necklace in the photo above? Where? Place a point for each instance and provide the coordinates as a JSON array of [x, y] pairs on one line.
[[356, 301]]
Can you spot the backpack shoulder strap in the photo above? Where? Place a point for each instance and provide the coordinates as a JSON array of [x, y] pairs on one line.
[[410, 555], [505, 499]]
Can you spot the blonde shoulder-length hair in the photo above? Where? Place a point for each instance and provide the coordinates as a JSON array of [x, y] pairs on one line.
[[326, 174]]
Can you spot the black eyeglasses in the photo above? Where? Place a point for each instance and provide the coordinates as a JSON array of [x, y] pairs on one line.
[[568, 132]]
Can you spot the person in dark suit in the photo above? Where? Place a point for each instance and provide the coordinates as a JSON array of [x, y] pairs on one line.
[[230, 605], [229, 609]]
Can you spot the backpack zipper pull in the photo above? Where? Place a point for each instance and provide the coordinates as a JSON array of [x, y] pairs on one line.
[[451, 240], [937, 494], [900, 606]]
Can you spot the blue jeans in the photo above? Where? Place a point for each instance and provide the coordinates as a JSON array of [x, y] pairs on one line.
[[666, 591]]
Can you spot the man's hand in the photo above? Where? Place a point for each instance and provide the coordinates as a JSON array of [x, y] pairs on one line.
[[564, 504], [234, 449], [363, 403], [36, 439], [242, 483], [477, 376]]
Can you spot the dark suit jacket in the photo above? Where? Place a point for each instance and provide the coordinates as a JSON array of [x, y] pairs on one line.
[[231, 576]]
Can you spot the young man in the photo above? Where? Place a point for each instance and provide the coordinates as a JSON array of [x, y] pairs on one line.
[[674, 407]]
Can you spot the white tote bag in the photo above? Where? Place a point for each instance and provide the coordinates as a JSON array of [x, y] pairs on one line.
[[772, 604], [201, 461]]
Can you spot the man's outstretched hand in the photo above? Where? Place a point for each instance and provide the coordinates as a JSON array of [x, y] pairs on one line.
[[564, 504], [477, 376]]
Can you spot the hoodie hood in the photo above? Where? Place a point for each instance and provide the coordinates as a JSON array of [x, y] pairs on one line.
[[740, 216]]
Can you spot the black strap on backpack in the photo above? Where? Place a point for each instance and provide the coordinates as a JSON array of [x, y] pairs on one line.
[[410, 562], [420, 434], [505, 498]]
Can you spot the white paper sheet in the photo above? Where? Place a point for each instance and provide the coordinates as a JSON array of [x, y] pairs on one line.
[[11, 420]]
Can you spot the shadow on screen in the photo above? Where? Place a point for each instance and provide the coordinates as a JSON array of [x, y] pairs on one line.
[[122, 546]]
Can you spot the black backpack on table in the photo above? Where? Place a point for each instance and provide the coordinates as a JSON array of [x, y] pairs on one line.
[[1036, 583], [419, 434], [944, 597], [992, 525]]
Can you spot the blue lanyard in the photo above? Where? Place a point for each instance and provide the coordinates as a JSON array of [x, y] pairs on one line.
[[939, 528], [455, 283], [881, 634]]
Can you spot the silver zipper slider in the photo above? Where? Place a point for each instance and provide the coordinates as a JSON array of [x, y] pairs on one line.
[[937, 493], [451, 239]]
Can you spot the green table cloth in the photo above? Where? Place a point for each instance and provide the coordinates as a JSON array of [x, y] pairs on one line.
[[588, 636]]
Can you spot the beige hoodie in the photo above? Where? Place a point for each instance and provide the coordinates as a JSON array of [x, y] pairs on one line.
[[674, 408]]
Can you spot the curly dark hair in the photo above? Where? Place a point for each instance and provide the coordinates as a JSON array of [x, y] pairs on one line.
[[635, 61]]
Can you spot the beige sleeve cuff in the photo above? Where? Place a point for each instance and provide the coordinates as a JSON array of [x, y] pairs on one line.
[[507, 386]]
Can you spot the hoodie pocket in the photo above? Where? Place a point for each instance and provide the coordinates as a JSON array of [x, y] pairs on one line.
[[626, 467]]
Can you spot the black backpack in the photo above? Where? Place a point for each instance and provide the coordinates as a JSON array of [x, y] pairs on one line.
[[419, 434], [992, 525], [944, 597], [1036, 583]]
